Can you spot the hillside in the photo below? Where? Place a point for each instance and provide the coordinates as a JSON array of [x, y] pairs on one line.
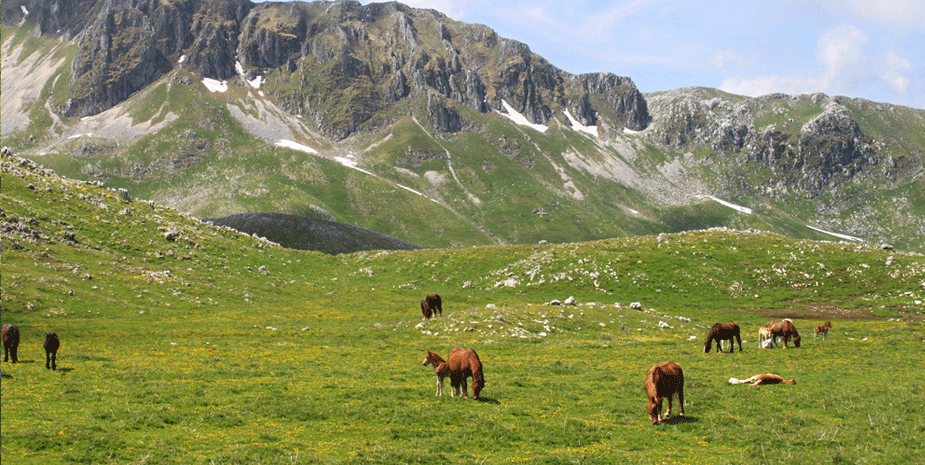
[[304, 233], [432, 131], [178, 337]]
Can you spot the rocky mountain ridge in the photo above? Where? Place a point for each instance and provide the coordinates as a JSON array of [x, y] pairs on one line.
[[438, 132]]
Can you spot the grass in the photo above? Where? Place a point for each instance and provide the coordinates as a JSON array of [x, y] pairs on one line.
[[220, 348]]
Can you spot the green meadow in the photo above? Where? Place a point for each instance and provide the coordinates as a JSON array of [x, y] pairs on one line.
[[216, 347]]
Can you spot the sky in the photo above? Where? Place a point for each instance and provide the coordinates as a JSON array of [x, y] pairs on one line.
[[867, 49]]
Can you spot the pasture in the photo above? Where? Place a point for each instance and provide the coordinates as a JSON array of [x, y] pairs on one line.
[[213, 347]]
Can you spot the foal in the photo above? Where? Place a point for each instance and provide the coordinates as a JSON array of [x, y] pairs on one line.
[[822, 329], [441, 369]]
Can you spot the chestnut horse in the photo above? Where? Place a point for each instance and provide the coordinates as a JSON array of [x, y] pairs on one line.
[[441, 369], [10, 343], [51, 345], [664, 380], [465, 363], [723, 332], [822, 329], [785, 330], [431, 305], [767, 378]]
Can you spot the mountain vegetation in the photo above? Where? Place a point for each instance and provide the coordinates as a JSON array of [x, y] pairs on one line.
[[186, 342]]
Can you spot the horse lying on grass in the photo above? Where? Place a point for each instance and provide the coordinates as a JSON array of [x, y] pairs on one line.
[[723, 332], [767, 378], [823, 330], [664, 380]]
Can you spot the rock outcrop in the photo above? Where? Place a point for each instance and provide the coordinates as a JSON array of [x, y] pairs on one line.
[[338, 63]]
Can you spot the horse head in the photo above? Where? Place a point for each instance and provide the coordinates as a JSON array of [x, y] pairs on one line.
[[655, 410]]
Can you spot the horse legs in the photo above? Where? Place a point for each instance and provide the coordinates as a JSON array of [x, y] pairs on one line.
[[54, 360], [439, 386]]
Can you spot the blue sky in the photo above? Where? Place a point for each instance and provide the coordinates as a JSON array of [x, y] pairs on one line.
[[868, 49]]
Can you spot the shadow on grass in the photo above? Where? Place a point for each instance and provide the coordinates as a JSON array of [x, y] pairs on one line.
[[488, 400], [66, 370], [680, 420]]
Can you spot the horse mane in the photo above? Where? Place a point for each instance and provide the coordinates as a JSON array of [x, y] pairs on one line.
[[436, 356]]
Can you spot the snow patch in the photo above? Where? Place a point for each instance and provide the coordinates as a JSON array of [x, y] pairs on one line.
[[592, 130], [25, 12], [215, 86], [630, 131], [295, 146], [841, 236], [520, 119], [76, 136], [182, 59], [746, 210]]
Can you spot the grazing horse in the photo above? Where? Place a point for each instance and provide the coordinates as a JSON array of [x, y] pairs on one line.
[[822, 329], [764, 339], [431, 305], [664, 380], [10, 343], [784, 330], [762, 379], [723, 332], [441, 369], [51, 346], [465, 363]]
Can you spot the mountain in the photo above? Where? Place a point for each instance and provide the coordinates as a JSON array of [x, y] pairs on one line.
[[437, 132]]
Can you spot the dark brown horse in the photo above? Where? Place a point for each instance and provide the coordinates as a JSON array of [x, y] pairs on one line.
[[441, 369], [785, 330], [664, 380], [431, 305], [465, 363], [822, 329], [51, 345], [723, 332], [10, 343]]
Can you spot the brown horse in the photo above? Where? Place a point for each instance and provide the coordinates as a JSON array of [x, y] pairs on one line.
[[767, 378], [431, 305], [664, 380], [785, 330], [10, 343], [723, 332], [465, 363], [51, 345], [822, 329], [441, 369]]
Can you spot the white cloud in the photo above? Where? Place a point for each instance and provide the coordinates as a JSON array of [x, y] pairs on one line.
[[844, 65]]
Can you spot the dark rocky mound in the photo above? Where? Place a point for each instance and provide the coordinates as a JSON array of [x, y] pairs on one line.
[[304, 233]]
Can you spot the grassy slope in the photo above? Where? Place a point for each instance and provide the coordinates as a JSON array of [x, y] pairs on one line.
[[317, 358]]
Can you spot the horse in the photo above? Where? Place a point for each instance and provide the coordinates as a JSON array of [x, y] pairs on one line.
[[822, 329], [723, 332], [767, 378], [51, 345], [764, 339], [10, 343], [441, 369], [431, 305], [664, 380], [785, 330], [465, 363]]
